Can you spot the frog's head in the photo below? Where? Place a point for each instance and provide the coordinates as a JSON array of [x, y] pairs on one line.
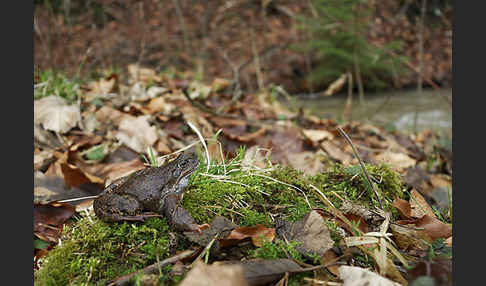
[[182, 169]]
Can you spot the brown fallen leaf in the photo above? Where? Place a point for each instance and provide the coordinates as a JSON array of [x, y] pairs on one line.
[[247, 137], [159, 105], [84, 141], [49, 218], [403, 208], [137, 133], [438, 180], [330, 255], [317, 135], [138, 73], [55, 114], [311, 230], [363, 226], [418, 206], [45, 139], [75, 177], [306, 161], [397, 161], [217, 275], [407, 238], [336, 153], [432, 226], [109, 172], [53, 188], [100, 87], [227, 122], [107, 114], [43, 159], [258, 234]]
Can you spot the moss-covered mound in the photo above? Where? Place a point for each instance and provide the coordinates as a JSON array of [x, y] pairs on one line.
[[94, 251]]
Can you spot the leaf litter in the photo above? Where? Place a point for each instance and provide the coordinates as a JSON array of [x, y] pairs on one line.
[[137, 118]]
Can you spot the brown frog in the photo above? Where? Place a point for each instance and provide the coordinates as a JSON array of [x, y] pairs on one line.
[[150, 192]]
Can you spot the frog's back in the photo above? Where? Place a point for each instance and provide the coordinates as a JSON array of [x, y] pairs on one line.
[[146, 186]]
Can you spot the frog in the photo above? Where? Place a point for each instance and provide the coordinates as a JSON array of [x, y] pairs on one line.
[[151, 192]]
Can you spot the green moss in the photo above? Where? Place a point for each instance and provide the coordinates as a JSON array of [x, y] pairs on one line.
[[277, 249], [347, 182], [97, 251]]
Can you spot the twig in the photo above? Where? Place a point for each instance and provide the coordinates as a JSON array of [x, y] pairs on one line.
[[362, 165], [124, 280]]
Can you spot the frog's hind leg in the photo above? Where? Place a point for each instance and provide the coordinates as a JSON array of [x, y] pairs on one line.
[[120, 208]]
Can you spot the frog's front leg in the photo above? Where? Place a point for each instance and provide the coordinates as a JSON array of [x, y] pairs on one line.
[[178, 216]]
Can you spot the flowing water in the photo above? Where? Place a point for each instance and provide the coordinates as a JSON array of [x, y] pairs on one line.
[[397, 109]]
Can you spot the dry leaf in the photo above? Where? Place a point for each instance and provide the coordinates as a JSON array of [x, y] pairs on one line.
[[245, 137], [49, 218], [397, 161], [438, 180], [100, 87], [75, 177], [54, 114], [311, 230], [434, 227], [159, 104], [258, 234], [142, 74], [403, 208], [408, 238], [363, 226], [106, 114], [112, 171], [418, 206], [317, 135], [330, 255], [218, 275], [307, 162], [254, 156], [43, 159], [336, 152], [137, 133]]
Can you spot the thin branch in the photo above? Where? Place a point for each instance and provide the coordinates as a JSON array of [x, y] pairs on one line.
[[124, 280], [361, 164]]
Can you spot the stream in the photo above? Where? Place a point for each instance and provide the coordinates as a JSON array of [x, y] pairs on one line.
[[392, 109]]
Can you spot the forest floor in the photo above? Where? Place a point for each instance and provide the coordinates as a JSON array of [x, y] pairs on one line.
[[95, 132]]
